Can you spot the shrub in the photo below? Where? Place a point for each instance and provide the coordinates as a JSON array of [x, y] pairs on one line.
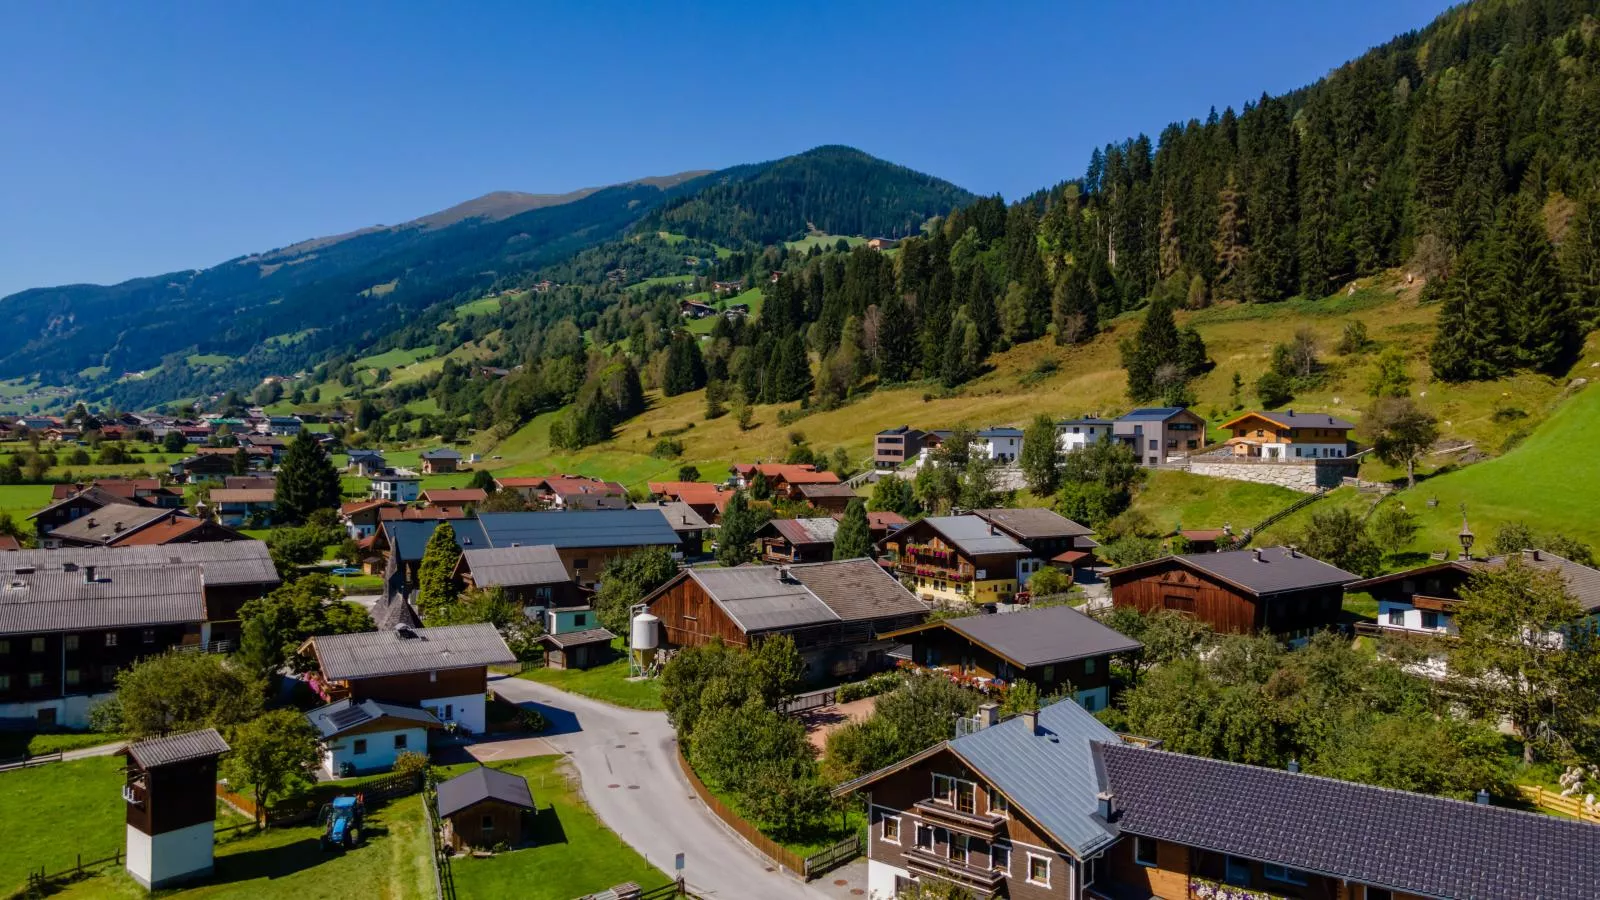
[[533, 721], [410, 762], [872, 686], [667, 448]]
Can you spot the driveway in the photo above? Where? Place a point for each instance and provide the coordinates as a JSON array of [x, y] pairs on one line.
[[627, 762]]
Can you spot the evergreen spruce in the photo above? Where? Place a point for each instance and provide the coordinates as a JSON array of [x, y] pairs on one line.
[[307, 480], [853, 540], [436, 574]]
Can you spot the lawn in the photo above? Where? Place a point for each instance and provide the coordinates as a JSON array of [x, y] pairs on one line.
[[394, 863], [19, 743], [390, 359], [55, 812], [23, 500], [574, 853], [608, 683], [1176, 500], [661, 279], [359, 584], [825, 241]]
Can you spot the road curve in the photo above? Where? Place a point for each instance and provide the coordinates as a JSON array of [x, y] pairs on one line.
[[627, 762]]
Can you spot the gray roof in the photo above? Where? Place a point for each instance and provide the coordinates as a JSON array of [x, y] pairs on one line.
[[515, 566], [91, 494], [1000, 432], [480, 784], [110, 521], [440, 453], [409, 537], [374, 653], [177, 748], [1583, 583], [827, 490], [1033, 522], [1306, 420], [1085, 420], [577, 638], [972, 535], [1277, 570], [1151, 413], [579, 529], [221, 562], [804, 531], [1050, 775], [344, 715], [43, 601], [1401, 841], [858, 589], [756, 598], [681, 516], [1040, 637]]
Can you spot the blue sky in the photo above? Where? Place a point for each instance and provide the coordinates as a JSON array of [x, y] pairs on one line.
[[146, 138]]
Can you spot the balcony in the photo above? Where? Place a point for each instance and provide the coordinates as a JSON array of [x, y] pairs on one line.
[[985, 881], [984, 826], [923, 570]]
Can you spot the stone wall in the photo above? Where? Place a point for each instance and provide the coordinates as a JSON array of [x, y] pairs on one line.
[[1306, 475]]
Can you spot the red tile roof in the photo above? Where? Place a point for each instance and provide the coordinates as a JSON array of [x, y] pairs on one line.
[[456, 495], [791, 473], [164, 532]]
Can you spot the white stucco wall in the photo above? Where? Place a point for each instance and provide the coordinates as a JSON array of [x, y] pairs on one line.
[[468, 711], [154, 860], [71, 712], [880, 879], [380, 750]]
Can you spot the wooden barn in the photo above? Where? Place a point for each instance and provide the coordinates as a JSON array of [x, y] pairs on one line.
[[485, 807], [1276, 589]]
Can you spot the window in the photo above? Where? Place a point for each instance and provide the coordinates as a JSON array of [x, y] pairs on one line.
[[1000, 858], [998, 805], [108, 674], [70, 642], [1284, 874], [1089, 702], [360, 746], [1144, 851], [1430, 619], [580, 620], [111, 639], [1088, 666], [72, 677], [1238, 871], [399, 742], [580, 563], [891, 829], [1048, 675], [37, 645], [1373, 893], [149, 636], [960, 848], [35, 679], [1039, 870], [5, 648], [1180, 604], [488, 824], [943, 787], [5, 682], [1397, 617], [1155, 444]]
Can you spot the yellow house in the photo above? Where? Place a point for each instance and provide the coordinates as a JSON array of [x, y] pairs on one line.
[[1288, 435], [955, 560]]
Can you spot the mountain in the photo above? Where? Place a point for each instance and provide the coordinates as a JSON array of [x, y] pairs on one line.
[[292, 307]]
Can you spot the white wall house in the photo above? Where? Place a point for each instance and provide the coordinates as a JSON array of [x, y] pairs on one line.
[[369, 736], [1075, 434], [395, 488], [1003, 444]]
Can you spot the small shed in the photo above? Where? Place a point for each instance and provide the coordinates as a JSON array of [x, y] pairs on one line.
[[484, 807]]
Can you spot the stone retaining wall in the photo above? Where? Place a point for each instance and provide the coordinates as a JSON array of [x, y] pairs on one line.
[[1306, 476]]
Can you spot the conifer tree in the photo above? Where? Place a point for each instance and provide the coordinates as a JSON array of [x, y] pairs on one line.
[[853, 540], [1537, 311], [737, 533], [1040, 458], [1472, 341], [1580, 259], [1073, 308], [896, 341], [436, 574], [307, 480]]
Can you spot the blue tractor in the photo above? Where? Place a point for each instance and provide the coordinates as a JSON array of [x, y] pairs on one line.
[[341, 821]]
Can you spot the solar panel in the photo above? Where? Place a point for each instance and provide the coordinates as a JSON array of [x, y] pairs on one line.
[[344, 718]]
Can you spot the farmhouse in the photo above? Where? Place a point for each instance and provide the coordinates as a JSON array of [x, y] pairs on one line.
[[244, 507], [1053, 648], [1276, 589], [442, 670], [784, 479], [956, 559], [367, 736], [706, 499], [686, 522], [797, 540], [836, 612], [1053, 804], [833, 498], [461, 499], [1051, 538], [530, 576], [1289, 435], [439, 461], [121, 525]]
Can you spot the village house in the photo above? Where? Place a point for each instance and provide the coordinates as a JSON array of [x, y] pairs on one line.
[[1155, 433], [894, 447], [484, 808], [880, 523], [574, 492], [1002, 445], [394, 487], [266, 481], [931, 442], [883, 243], [574, 639], [358, 738], [273, 445], [797, 540], [691, 528], [956, 560], [831, 498], [202, 467], [75, 505], [783, 479], [455, 498], [529, 576], [694, 309], [1053, 804], [244, 507], [836, 612], [1288, 434], [281, 426], [1075, 434], [706, 499], [727, 287], [365, 463], [440, 461], [529, 488], [1274, 589], [442, 670], [122, 525], [1054, 648], [1051, 538], [361, 518]]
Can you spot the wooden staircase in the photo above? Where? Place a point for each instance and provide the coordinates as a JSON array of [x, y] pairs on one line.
[[1242, 540]]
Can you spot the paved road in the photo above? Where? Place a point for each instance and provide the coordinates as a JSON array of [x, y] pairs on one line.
[[627, 761]]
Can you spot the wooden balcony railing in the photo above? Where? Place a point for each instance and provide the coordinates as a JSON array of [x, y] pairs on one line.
[[972, 823], [925, 861]]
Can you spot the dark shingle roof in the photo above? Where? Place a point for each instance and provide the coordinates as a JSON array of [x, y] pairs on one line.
[[858, 589], [393, 609], [515, 566], [369, 654], [590, 528], [126, 598], [1034, 522], [1387, 838], [1151, 413], [440, 453], [1038, 637], [1294, 419], [680, 515], [110, 521], [1269, 570], [177, 748], [973, 536], [221, 562], [480, 784], [344, 715]]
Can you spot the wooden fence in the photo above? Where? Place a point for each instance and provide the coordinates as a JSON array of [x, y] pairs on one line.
[[831, 858], [444, 882], [43, 884], [1554, 802], [769, 848], [28, 762], [293, 811]]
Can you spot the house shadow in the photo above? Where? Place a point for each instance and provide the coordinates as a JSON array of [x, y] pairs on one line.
[[543, 827], [269, 862], [561, 721]]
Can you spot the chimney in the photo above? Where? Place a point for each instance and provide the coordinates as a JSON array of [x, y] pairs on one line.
[[1289, 413], [1105, 805], [1532, 555], [1294, 551], [1256, 552], [91, 522], [988, 714], [117, 527], [993, 531], [783, 573], [1031, 720], [88, 574], [1294, 766], [1483, 797]]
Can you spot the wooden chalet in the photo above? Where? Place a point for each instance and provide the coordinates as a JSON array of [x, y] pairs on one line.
[[956, 559], [1288, 435], [484, 808], [1051, 538], [1275, 589], [783, 479], [797, 540], [529, 576], [462, 499]]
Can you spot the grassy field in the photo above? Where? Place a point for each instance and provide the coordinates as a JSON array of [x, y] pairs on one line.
[[574, 853], [53, 813], [23, 743], [1178, 500], [390, 359], [752, 297], [660, 279], [22, 500], [608, 683], [208, 359], [482, 306], [825, 241]]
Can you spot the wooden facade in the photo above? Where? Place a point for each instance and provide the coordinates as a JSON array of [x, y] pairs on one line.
[[167, 798], [486, 824], [936, 570], [1226, 608], [51, 665], [413, 688], [939, 647]]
